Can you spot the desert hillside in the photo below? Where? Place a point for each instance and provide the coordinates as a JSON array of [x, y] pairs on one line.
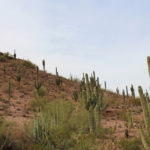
[[16, 108]]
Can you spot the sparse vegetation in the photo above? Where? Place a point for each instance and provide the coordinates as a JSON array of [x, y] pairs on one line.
[[28, 64]]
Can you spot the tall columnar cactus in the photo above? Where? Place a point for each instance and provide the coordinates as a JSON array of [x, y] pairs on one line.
[[145, 139], [57, 72], [90, 102], [147, 96], [117, 91], [99, 108], [127, 94], [105, 85], [123, 94], [148, 62], [43, 62], [37, 83], [82, 86], [15, 54], [9, 89], [132, 91], [93, 101], [58, 79]]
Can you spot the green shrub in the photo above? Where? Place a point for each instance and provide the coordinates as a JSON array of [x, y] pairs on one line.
[[3, 58], [130, 144], [5, 141], [39, 99], [52, 129], [29, 64], [42, 91], [58, 127]]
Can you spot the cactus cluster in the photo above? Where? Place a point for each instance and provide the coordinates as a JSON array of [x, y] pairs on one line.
[[93, 100]]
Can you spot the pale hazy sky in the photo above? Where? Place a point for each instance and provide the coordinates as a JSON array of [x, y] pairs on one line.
[[111, 37]]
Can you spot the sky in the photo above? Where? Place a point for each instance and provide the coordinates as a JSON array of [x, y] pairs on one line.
[[111, 37]]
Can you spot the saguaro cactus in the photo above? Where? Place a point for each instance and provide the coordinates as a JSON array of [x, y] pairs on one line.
[[58, 79], [57, 72], [43, 62], [15, 54], [148, 63], [127, 94], [105, 84], [147, 96], [132, 91], [117, 91], [37, 83], [123, 94], [145, 139]]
